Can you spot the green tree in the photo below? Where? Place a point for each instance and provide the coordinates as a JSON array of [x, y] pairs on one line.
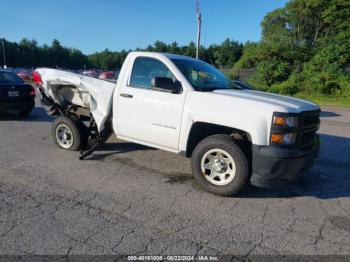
[[304, 48], [228, 53]]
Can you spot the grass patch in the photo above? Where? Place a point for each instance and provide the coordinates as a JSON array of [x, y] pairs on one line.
[[325, 100]]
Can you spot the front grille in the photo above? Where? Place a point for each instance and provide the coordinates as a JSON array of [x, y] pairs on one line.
[[307, 138], [309, 124], [311, 120]]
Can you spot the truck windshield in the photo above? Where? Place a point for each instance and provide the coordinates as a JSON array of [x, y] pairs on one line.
[[204, 77]]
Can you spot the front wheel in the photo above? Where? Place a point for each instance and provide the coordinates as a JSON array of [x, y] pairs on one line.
[[220, 166]]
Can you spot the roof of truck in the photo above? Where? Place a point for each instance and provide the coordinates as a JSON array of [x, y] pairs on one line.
[[168, 55], [182, 57]]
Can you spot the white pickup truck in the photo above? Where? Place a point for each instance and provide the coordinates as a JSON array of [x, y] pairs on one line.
[[186, 106]]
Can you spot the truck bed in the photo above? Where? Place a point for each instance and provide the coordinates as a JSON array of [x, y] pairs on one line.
[[82, 91]]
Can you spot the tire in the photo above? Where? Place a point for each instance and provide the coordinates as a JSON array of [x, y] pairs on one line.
[[67, 133], [84, 131], [220, 166]]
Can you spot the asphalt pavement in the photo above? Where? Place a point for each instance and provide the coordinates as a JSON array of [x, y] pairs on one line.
[[130, 199]]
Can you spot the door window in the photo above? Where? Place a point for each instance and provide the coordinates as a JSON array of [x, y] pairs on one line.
[[145, 69]]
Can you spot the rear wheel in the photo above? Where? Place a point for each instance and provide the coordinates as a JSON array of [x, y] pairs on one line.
[[68, 133], [220, 166]]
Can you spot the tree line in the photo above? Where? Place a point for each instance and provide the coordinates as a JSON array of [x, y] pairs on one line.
[[223, 55], [305, 48], [27, 53]]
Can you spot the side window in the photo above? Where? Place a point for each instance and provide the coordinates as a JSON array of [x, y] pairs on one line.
[[145, 69]]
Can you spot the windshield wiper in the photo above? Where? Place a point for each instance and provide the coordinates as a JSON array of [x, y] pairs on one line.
[[205, 89], [213, 88]]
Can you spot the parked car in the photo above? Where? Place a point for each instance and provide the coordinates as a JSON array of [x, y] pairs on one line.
[[90, 73], [107, 75], [25, 75], [186, 106], [15, 94]]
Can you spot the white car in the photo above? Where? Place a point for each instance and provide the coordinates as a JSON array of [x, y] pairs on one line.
[[90, 73], [186, 106]]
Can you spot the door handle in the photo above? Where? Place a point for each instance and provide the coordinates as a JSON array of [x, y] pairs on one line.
[[126, 95]]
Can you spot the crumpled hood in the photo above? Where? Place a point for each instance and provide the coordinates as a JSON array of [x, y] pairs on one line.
[[290, 104]]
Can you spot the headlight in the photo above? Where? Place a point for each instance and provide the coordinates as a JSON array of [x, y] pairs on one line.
[[284, 139], [285, 121]]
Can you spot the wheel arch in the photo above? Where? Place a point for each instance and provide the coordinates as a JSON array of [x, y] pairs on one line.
[[201, 130]]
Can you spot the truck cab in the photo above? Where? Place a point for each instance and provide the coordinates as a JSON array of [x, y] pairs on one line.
[[186, 106]]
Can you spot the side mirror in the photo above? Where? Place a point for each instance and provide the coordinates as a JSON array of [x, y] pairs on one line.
[[166, 84]]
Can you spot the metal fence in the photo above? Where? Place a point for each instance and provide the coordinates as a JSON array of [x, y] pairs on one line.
[[243, 74], [238, 74]]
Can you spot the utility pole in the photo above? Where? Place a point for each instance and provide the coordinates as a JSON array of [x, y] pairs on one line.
[[3, 51], [199, 25]]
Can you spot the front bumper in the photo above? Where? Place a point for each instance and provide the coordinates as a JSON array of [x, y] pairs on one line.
[[277, 166]]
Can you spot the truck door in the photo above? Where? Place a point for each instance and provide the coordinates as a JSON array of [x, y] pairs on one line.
[[145, 114]]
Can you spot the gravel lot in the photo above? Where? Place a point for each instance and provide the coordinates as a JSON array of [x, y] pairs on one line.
[[130, 199]]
